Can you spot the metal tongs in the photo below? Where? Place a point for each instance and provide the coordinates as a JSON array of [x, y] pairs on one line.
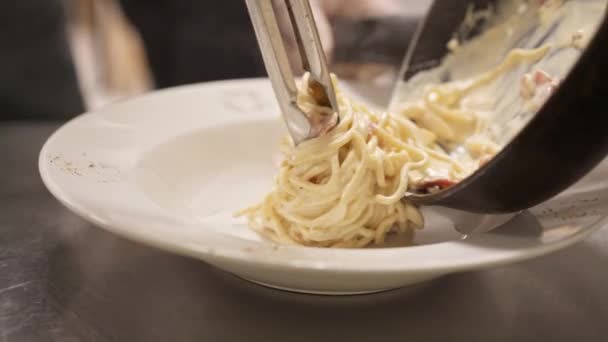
[[300, 125]]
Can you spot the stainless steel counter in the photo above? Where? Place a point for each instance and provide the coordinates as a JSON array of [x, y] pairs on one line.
[[62, 279]]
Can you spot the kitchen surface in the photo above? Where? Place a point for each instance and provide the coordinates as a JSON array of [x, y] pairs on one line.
[[62, 279]]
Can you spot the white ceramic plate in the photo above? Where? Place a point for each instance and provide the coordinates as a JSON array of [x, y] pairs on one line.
[[169, 169]]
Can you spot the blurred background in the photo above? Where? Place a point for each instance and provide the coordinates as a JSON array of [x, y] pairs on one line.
[[59, 58]]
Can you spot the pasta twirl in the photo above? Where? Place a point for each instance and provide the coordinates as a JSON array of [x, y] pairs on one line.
[[345, 188]]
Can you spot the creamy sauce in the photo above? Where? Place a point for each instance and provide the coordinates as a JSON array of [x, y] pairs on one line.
[[499, 79]]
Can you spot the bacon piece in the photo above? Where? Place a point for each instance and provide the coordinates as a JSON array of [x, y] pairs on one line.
[[322, 124], [434, 184], [541, 77], [531, 83]]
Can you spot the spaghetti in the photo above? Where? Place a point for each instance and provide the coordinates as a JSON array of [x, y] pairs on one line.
[[345, 188]]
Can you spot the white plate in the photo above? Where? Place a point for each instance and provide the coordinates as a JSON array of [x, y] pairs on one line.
[[169, 169]]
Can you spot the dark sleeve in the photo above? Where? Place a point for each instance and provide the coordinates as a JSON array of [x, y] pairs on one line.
[[193, 40], [37, 76], [382, 40]]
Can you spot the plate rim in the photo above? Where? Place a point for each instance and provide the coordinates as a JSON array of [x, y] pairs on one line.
[[264, 256]]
